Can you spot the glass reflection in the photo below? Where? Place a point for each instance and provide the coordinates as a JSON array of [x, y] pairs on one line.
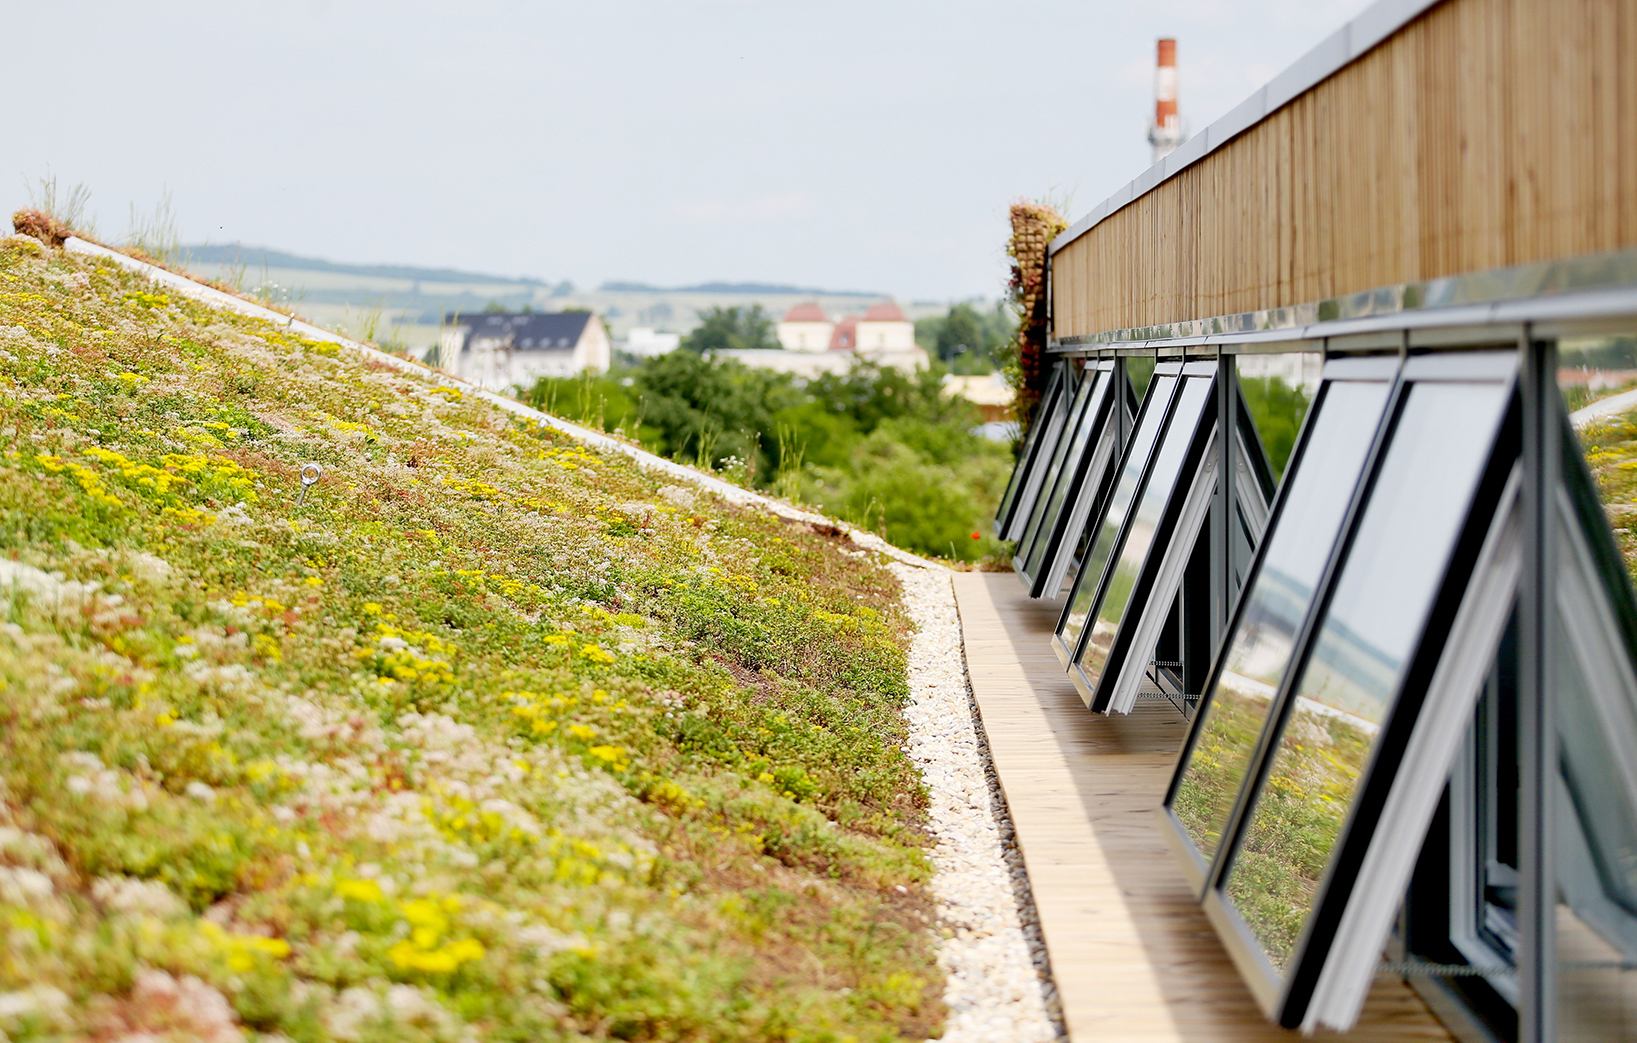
[[1196, 393], [1025, 459], [1054, 467], [1597, 816], [1278, 602], [1598, 379], [1071, 463], [1277, 391], [1119, 504], [1380, 604]]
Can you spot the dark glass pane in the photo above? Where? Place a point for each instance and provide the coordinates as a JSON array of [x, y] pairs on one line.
[[1278, 602], [1079, 439], [1380, 604], [1024, 456], [1596, 376], [1597, 847], [1139, 369], [1054, 466], [1119, 505], [1196, 393], [1277, 390], [1050, 422]]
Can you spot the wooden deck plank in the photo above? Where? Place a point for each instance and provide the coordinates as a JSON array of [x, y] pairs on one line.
[[1133, 955]]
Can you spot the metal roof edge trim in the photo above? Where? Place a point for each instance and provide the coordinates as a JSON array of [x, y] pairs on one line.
[[1365, 30], [1586, 286]]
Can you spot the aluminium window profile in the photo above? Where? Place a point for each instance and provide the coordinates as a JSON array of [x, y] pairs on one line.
[[1024, 485], [1375, 659], [1319, 494], [1079, 486], [1433, 747], [1063, 460], [1126, 580], [1596, 784], [1110, 517], [1168, 561]]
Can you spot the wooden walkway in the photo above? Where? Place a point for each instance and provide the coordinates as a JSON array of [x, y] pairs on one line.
[[1132, 953]]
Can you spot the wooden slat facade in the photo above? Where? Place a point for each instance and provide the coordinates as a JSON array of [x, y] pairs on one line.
[[1480, 135]]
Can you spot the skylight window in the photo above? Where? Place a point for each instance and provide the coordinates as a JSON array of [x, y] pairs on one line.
[[1017, 506], [1151, 420], [1043, 559]]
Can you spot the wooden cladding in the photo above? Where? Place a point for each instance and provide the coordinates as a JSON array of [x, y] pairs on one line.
[[1483, 134]]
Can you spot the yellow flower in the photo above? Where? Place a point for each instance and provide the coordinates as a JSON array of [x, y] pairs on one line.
[[361, 890]]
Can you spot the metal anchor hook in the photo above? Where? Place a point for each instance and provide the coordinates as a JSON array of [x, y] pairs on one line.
[[310, 474]]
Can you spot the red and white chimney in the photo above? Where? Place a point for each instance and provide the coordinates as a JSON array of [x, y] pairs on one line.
[[1166, 133]]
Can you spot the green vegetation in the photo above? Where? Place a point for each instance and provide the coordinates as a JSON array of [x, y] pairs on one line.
[[731, 329], [885, 450], [968, 340], [1277, 407], [490, 737], [1611, 453], [1298, 816]]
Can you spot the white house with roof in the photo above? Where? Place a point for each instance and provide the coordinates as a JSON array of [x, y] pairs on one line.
[[499, 351], [815, 343], [805, 327]]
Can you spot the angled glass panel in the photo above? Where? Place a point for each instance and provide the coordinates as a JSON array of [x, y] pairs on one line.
[[1596, 713], [1181, 549], [1084, 440], [1416, 512], [1277, 391], [1050, 402], [1126, 574], [1097, 468], [1049, 424], [1363, 893], [1055, 464], [1304, 533], [1133, 465]]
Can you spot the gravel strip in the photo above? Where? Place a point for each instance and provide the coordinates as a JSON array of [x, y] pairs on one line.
[[999, 977]]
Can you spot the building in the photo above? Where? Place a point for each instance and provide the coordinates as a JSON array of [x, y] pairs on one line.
[[814, 343], [1351, 735], [645, 342], [499, 351], [805, 327], [884, 330]]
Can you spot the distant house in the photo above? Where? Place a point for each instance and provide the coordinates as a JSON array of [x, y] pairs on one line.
[[805, 328], [883, 329], [815, 343], [498, 350], [645, 342]]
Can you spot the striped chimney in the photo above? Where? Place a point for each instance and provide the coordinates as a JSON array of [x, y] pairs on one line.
[[1166, 133]]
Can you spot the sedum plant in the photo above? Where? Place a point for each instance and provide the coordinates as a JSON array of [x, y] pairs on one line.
[[489, 736]]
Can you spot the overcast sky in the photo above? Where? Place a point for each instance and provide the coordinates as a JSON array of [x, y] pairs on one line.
[[847, 145]]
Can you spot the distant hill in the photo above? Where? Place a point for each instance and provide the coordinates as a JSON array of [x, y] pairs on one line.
[[259, 256], [736, 287]]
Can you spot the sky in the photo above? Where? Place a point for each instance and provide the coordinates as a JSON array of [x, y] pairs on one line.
[[846, 145]]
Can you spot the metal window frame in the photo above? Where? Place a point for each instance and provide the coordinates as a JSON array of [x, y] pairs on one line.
[[1385, 371], [1062, 560], [1528, 315], [1024, 486], [1285, 997], [1079, 482], [1083, 398], [1173, 372], [1091, 689]]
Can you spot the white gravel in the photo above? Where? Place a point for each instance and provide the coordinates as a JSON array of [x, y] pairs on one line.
[[999, 978]]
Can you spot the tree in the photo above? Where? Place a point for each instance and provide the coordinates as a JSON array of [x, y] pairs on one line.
[[731, 329]]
